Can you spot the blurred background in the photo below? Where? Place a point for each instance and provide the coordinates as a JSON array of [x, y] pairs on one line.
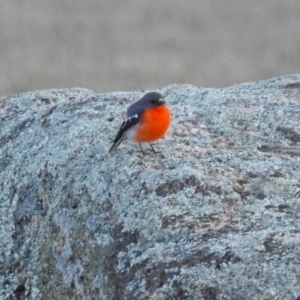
[[123, 45]]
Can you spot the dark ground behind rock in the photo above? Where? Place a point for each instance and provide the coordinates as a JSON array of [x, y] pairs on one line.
[[129, 45], [214, 215]]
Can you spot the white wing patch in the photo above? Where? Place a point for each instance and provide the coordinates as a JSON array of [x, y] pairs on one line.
[[128, 119]]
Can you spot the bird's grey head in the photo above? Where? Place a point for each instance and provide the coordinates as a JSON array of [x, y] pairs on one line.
[[152, 99]]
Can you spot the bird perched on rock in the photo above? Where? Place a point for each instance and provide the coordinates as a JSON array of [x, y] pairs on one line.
[[146, 121]]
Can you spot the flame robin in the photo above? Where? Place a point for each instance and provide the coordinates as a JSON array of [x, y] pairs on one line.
[[146, 121]]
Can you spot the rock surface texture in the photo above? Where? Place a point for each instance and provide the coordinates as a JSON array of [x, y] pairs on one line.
[[214, 215]]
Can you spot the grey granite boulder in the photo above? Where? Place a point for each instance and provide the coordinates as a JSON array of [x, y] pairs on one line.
[[214, 215]]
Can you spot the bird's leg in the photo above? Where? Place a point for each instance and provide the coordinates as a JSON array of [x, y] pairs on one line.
[[153, 148], [142, 149]]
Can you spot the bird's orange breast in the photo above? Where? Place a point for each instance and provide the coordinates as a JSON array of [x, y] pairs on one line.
[[154, 123]]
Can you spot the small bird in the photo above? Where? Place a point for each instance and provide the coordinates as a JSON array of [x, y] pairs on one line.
[[146, 121]]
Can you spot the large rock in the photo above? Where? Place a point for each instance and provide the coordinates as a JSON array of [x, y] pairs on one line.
[[214, 215]]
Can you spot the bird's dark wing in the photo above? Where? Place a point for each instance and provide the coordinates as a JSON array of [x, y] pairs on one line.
[[128, 122]]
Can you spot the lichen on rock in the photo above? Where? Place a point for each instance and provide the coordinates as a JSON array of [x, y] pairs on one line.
[[213, 215]]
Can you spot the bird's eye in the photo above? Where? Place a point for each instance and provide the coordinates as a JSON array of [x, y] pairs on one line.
[[153, 101]]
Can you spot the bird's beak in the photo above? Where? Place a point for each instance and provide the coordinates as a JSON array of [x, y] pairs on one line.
[[161, 101]]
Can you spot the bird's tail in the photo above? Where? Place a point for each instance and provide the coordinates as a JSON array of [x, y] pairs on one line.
[[116, 144]]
